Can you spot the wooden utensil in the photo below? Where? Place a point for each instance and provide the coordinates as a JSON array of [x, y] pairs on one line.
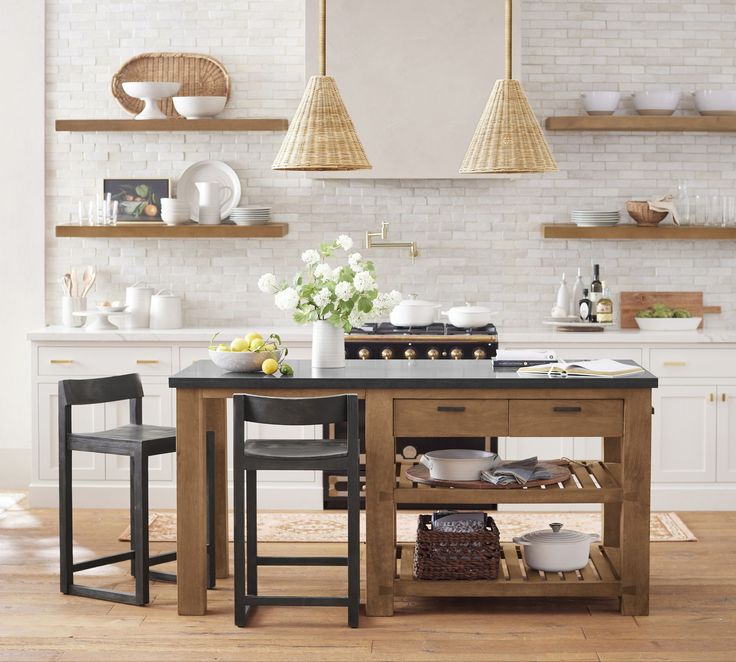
[[74, 289], [88, 278], [632, 302], [89, 284], [66, 279]]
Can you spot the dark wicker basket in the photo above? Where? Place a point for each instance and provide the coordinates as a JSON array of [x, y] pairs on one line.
[[450, 555]]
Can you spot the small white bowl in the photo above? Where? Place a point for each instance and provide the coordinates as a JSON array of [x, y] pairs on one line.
[[716, 102], [600, 103], [197, 108], [654, 102], [242, 361], [668, 323], [150, 92]]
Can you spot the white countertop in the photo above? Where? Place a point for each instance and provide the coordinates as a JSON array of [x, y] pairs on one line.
[[302, 334]]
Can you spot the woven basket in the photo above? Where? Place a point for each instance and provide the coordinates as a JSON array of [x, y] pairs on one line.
[[450, 555], [199, 75]]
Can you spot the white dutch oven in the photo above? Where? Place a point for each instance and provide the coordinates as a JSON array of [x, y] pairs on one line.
[[166, 310], [458, 463], [413, 312], [556, 550], [468, 316]]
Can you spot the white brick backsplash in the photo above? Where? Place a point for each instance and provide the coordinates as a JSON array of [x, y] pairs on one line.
[[478, 239]]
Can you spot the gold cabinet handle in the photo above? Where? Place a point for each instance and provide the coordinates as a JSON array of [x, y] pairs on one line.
[[711, 397], [723, 397], [147, 361], [675, 364], [61, 361]]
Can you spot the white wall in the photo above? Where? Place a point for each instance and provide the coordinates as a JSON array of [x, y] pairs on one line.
[[21, 224]]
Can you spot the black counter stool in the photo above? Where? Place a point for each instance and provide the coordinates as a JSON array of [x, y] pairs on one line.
[[252, 455], [139, 442]]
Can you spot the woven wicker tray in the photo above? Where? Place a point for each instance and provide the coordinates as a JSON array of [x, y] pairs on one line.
[[200, 75], [420, 474]]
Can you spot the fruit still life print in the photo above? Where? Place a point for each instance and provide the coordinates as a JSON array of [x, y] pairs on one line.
[[138, 199]]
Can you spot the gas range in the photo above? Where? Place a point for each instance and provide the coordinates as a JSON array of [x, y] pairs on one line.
[[434, 342]]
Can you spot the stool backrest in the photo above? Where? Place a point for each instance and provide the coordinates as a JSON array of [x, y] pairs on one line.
[[296, 411], [95, 391]]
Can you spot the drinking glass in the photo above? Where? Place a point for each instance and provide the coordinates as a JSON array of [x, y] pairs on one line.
[[682, 201], [729, 211], [715, 210], [701, 209]]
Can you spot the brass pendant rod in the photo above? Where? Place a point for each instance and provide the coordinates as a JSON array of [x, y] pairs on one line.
[[508, 39], [322, 37]]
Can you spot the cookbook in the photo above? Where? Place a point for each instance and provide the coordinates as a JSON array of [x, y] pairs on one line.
[[596, 368]]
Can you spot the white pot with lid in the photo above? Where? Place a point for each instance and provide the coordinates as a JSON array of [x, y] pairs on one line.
[[166, 310], [413, 312], [138, 302], [556, 550], [468, 316]]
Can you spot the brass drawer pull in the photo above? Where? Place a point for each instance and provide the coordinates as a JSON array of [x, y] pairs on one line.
[[147, 361], [61, 361], [723, 397], [711, 397], [675, 364], [567, 409], [456, 409]]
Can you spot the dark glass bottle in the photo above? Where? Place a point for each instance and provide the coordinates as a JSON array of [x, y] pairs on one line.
[[585, 307]]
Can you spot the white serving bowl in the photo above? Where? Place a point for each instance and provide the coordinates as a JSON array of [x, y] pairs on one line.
[[656, 102], [197, 108], [150, 92], [668, 323], [716, 102], [243, 361], [457, 463], [600, 103]]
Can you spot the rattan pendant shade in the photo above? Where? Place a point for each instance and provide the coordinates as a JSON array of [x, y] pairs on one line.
[[508, 138], [321, 136]]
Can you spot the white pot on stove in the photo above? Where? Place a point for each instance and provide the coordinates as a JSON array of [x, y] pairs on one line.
[[413, 312], [468, 316]]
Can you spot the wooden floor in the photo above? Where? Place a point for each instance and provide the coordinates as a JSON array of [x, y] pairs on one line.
[[693, 610]]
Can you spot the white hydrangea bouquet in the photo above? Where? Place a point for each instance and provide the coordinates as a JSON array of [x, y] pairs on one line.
[[345, 296]]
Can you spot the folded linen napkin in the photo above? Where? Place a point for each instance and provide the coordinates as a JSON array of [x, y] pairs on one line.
[[665, 203], [516, 471]]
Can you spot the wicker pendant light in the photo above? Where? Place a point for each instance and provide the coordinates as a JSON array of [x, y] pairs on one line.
[[321, 135], [508, 138]]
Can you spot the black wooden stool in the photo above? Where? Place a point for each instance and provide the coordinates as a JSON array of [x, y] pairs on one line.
[[139, 442], [252, 455]]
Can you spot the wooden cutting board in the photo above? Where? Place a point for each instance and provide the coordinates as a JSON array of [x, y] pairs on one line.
[[632, 302]]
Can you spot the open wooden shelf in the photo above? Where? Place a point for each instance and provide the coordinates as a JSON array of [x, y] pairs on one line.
[[632, 231], [641, 123], [133, 125], [163, 231]]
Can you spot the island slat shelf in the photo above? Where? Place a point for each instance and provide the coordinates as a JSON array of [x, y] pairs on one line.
[[723, 123], [174, 124], [598, 579], [631, 231], [163, 231]]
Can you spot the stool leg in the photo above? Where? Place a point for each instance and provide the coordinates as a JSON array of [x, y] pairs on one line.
[[251, 536], [132, 518], [239, 538], [211, 558], [353, 475], [66, 572], [140, 518]]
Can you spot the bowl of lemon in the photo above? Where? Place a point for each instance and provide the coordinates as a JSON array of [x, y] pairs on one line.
[[251, 353]]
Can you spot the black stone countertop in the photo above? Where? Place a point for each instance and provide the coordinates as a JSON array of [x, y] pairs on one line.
[[398, 375]]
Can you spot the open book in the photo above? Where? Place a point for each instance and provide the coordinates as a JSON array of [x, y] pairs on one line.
[[597, 368]]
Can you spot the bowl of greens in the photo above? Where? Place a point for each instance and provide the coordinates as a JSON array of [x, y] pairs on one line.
[[659, 317]]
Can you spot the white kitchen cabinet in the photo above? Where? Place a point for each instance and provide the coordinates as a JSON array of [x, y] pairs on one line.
[[726, 433], [545, 448]]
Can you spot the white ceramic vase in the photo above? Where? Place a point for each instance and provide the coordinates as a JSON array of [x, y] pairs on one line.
[[328, 345]]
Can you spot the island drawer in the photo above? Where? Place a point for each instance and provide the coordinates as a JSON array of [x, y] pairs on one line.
[[451, 418], [563, 418]]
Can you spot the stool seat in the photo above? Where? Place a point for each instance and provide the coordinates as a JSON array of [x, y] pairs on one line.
[[127, 439], [296, 449]]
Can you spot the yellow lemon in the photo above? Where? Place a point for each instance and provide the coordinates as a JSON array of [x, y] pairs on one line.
[[256, 344], [270, 366], [252, 336], [239, 345]]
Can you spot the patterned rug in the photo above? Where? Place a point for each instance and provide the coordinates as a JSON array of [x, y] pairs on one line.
[[320, 526], [10, 499]]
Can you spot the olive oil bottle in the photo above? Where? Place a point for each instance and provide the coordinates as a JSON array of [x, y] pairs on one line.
[[604, 307]]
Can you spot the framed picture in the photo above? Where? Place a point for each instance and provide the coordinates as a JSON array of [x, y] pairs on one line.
[[138, 199]]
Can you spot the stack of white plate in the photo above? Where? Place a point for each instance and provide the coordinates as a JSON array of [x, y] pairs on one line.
[[250, 215], [174, 211], [585, 218]]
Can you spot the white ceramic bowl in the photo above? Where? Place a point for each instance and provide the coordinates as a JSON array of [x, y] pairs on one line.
[[242, 361], [654, 102], [457, 463], [196, 108], [668, 323], [716, 102], [556, 550], [600, 103], [150, 92]]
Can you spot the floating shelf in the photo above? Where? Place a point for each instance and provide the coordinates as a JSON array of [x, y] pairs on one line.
[[721, 123], [163, 231], [135, 126], [631, 231]]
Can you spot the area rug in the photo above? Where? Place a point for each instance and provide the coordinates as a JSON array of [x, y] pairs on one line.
[[321, 526], [9, 499]]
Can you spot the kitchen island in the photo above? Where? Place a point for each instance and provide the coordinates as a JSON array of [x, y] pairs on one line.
[[455, 398]]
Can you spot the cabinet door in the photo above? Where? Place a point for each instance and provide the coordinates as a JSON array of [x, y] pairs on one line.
[[157, 410], [726, 446], [87, 418], [684, 434]]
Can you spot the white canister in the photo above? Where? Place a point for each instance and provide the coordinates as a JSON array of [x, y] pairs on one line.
[[166, 310], [138, 300], [71, 305]]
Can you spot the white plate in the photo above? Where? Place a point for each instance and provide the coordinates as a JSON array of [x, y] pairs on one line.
[[209, 171], [587, 224], [551, 322], [240, 221], [668, 323]]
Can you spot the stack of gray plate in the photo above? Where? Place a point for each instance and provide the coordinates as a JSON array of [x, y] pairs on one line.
[[250, 215], [585, 218]]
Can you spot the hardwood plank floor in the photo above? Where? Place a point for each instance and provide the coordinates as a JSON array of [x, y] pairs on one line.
[[693, 609]]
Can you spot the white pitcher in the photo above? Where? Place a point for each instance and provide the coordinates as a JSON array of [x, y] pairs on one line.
[[212, 194]]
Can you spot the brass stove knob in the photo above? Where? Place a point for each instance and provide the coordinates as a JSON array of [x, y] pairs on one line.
[[364, 353], [479, 354], [410, 353], [456, 353], [387, 353], [433, 354]]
